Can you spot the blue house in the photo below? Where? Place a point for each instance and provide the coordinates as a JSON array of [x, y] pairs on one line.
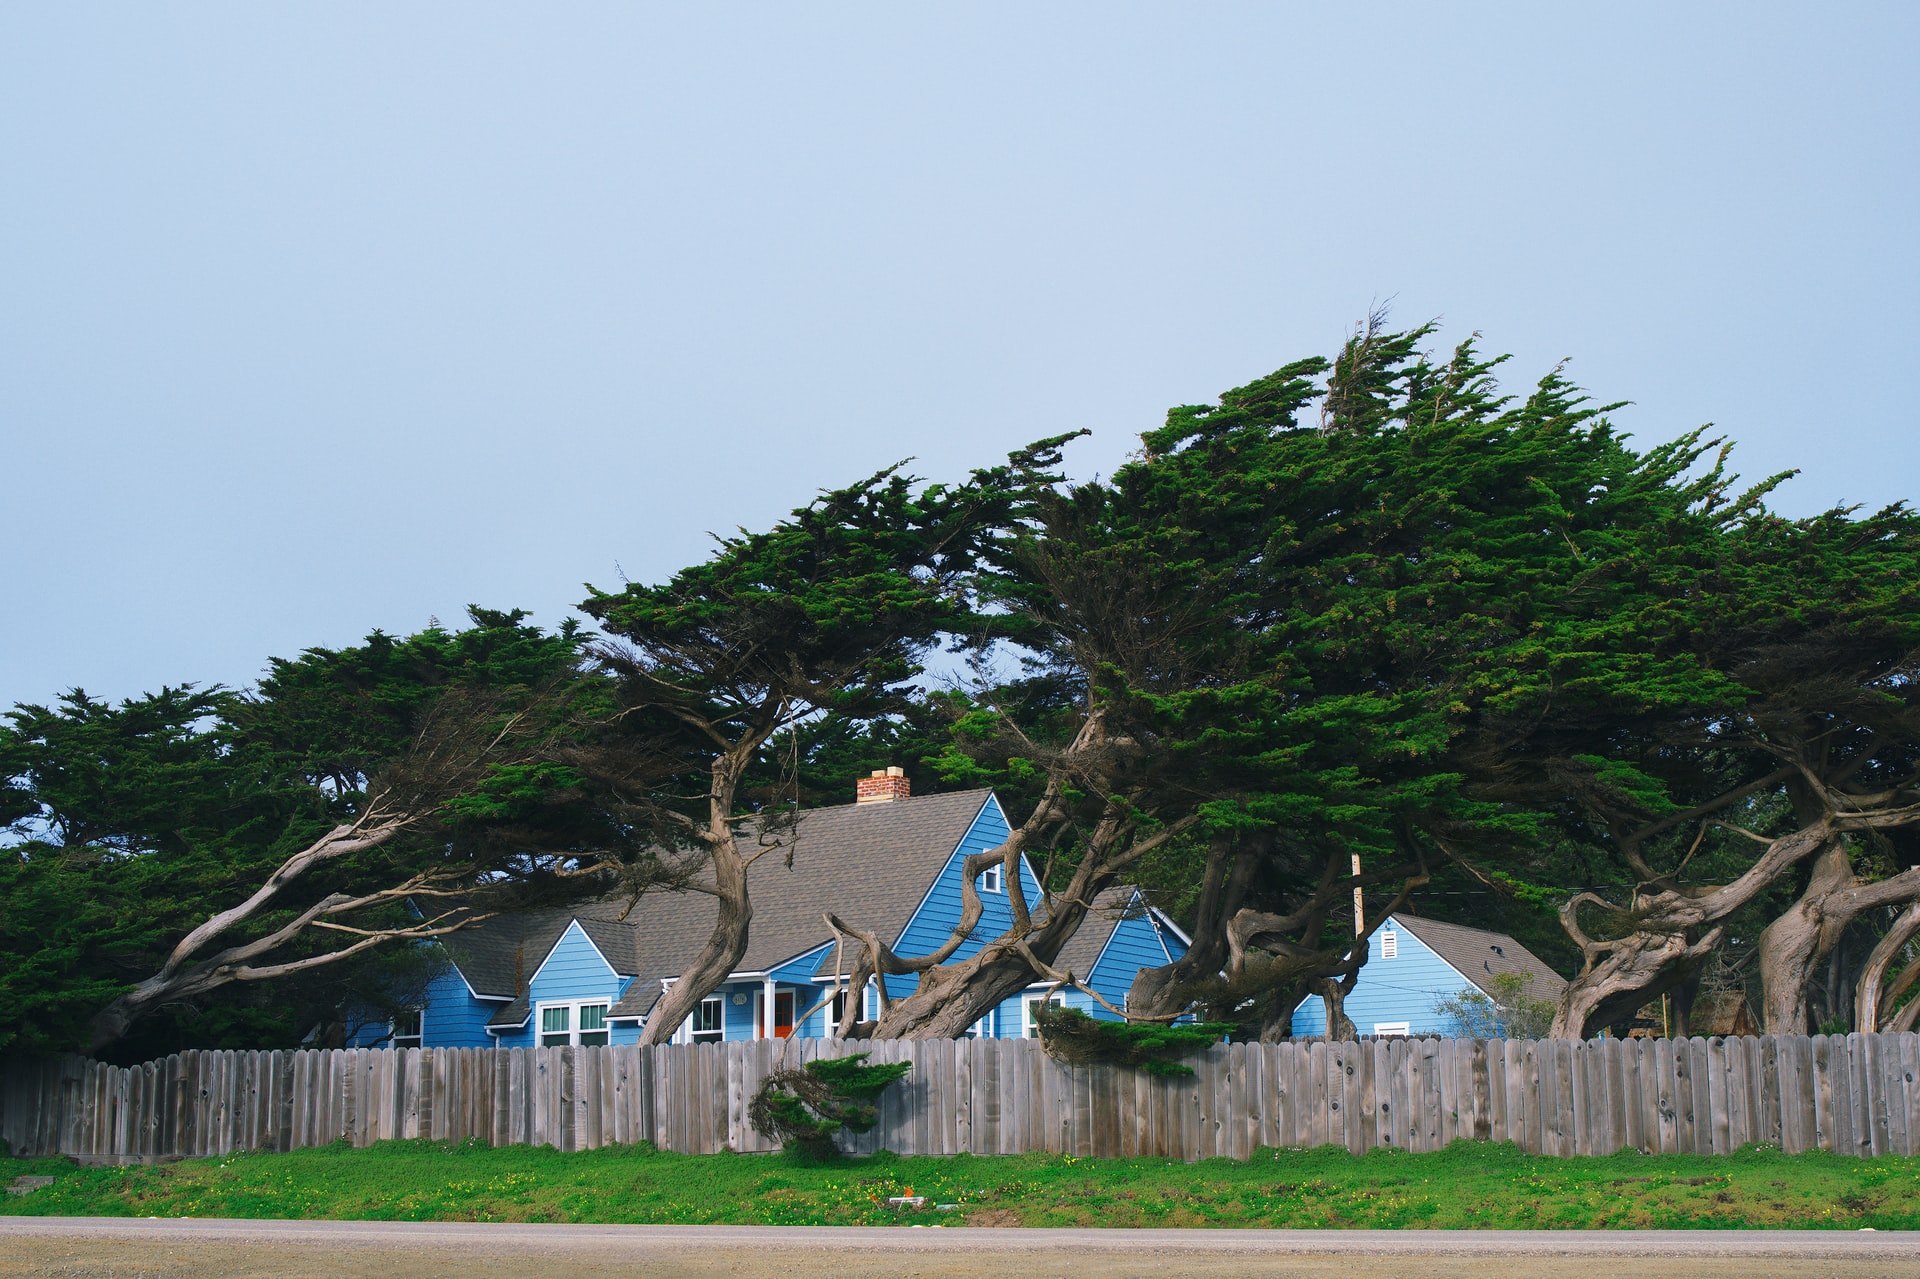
[[890, 863], [1413, 963]]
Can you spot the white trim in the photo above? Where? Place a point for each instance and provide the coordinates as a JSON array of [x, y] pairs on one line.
[[787, 963], [573, 924], [573, 1031], [419, 1035], [1395, 921], [522, 1024], [1399, 1028], [941, 873], [1028, 1028], [684, 1033], [1167, 921]]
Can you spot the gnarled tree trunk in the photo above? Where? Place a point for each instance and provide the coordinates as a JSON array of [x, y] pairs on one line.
[[1875, 999], [1172, 988], [1673, 932], [1807, 933]]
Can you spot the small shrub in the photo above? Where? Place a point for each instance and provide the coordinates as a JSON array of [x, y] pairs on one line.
[[806, 1110], [1070, 1035], [1508, 1013]]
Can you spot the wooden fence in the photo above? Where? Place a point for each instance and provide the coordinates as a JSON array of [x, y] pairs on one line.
[[1852, 1094]]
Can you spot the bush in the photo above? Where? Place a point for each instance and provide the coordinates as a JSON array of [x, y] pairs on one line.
[[1070, 1035], [806, 1110], [1507, 1013]]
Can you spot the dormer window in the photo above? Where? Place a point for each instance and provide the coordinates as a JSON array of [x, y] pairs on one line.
[[990, 880], [1389, 945]]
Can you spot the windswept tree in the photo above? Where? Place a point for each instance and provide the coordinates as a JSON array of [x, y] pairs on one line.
[[1777, 747], [209, 839], [828, 614], [1424, 542]]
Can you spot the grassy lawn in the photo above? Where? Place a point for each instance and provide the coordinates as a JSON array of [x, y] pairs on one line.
[[1468, 1185]]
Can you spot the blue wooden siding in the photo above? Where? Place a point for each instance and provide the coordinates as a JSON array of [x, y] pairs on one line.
[[576, 970], [1135, 944], [932, 923], [1404, 988], [573, 969], [453, 1017]]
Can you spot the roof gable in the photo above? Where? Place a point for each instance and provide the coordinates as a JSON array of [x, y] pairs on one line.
[[931, 921], [1479, 955], [869, 863]]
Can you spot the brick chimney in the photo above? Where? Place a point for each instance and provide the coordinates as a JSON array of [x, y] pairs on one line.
[[885, 786]]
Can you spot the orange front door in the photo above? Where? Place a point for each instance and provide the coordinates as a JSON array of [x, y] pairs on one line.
[[782, 1014]]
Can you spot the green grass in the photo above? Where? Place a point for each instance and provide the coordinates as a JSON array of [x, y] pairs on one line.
[[1468, 1185]]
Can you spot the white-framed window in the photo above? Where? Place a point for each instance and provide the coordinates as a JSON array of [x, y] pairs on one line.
[[837, 1010], [1031, 1027], [1392, 1027], [577, 1022], [983, 1029], [990, 880], [406, 1027], [1389, 944], [708, 1025]]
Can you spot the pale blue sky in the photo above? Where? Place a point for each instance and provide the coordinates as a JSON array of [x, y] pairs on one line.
[[315, 319]]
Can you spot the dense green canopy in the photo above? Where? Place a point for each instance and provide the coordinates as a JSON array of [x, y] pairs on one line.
[[1369, 607]]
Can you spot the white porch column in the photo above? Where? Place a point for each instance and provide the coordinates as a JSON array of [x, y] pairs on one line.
[[766, 1008]]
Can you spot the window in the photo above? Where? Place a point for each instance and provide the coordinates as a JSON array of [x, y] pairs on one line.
[[583, 1024], [1391, 1027], [982, 1029], [1032, 1027], [709, 1021], [406, 1028], [1389, 944], [593, 1024], [990, 880], [837, 1011]]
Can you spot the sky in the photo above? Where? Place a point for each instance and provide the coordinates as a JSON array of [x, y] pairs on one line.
[[316, 319]]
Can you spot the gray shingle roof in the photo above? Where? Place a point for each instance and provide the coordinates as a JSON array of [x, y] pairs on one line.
[[1480, 955], [869, 863]]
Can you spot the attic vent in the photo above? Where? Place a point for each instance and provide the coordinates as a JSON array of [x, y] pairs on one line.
[[885, 786], [1389, 945]]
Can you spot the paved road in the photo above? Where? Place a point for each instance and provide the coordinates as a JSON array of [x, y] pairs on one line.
[[122, 1248]]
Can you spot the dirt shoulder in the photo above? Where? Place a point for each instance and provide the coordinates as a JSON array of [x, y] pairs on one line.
[[99, 1248]]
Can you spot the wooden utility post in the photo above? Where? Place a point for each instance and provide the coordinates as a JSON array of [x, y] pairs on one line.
[[1358, 926]]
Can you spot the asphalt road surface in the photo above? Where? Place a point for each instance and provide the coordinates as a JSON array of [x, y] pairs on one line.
[[122, 1248]]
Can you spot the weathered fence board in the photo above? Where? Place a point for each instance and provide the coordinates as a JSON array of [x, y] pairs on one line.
[[1852, 1094]]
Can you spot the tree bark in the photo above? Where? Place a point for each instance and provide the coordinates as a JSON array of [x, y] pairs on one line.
[[1674, 932], [188, 973], [1172, 988], [1808, 933], [1333, 993], [1874, 999], [733, 918]]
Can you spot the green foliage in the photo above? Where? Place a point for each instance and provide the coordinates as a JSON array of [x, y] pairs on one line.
[[135, 822], [807, 1110], [1071, 1035], [1506, 1012]]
